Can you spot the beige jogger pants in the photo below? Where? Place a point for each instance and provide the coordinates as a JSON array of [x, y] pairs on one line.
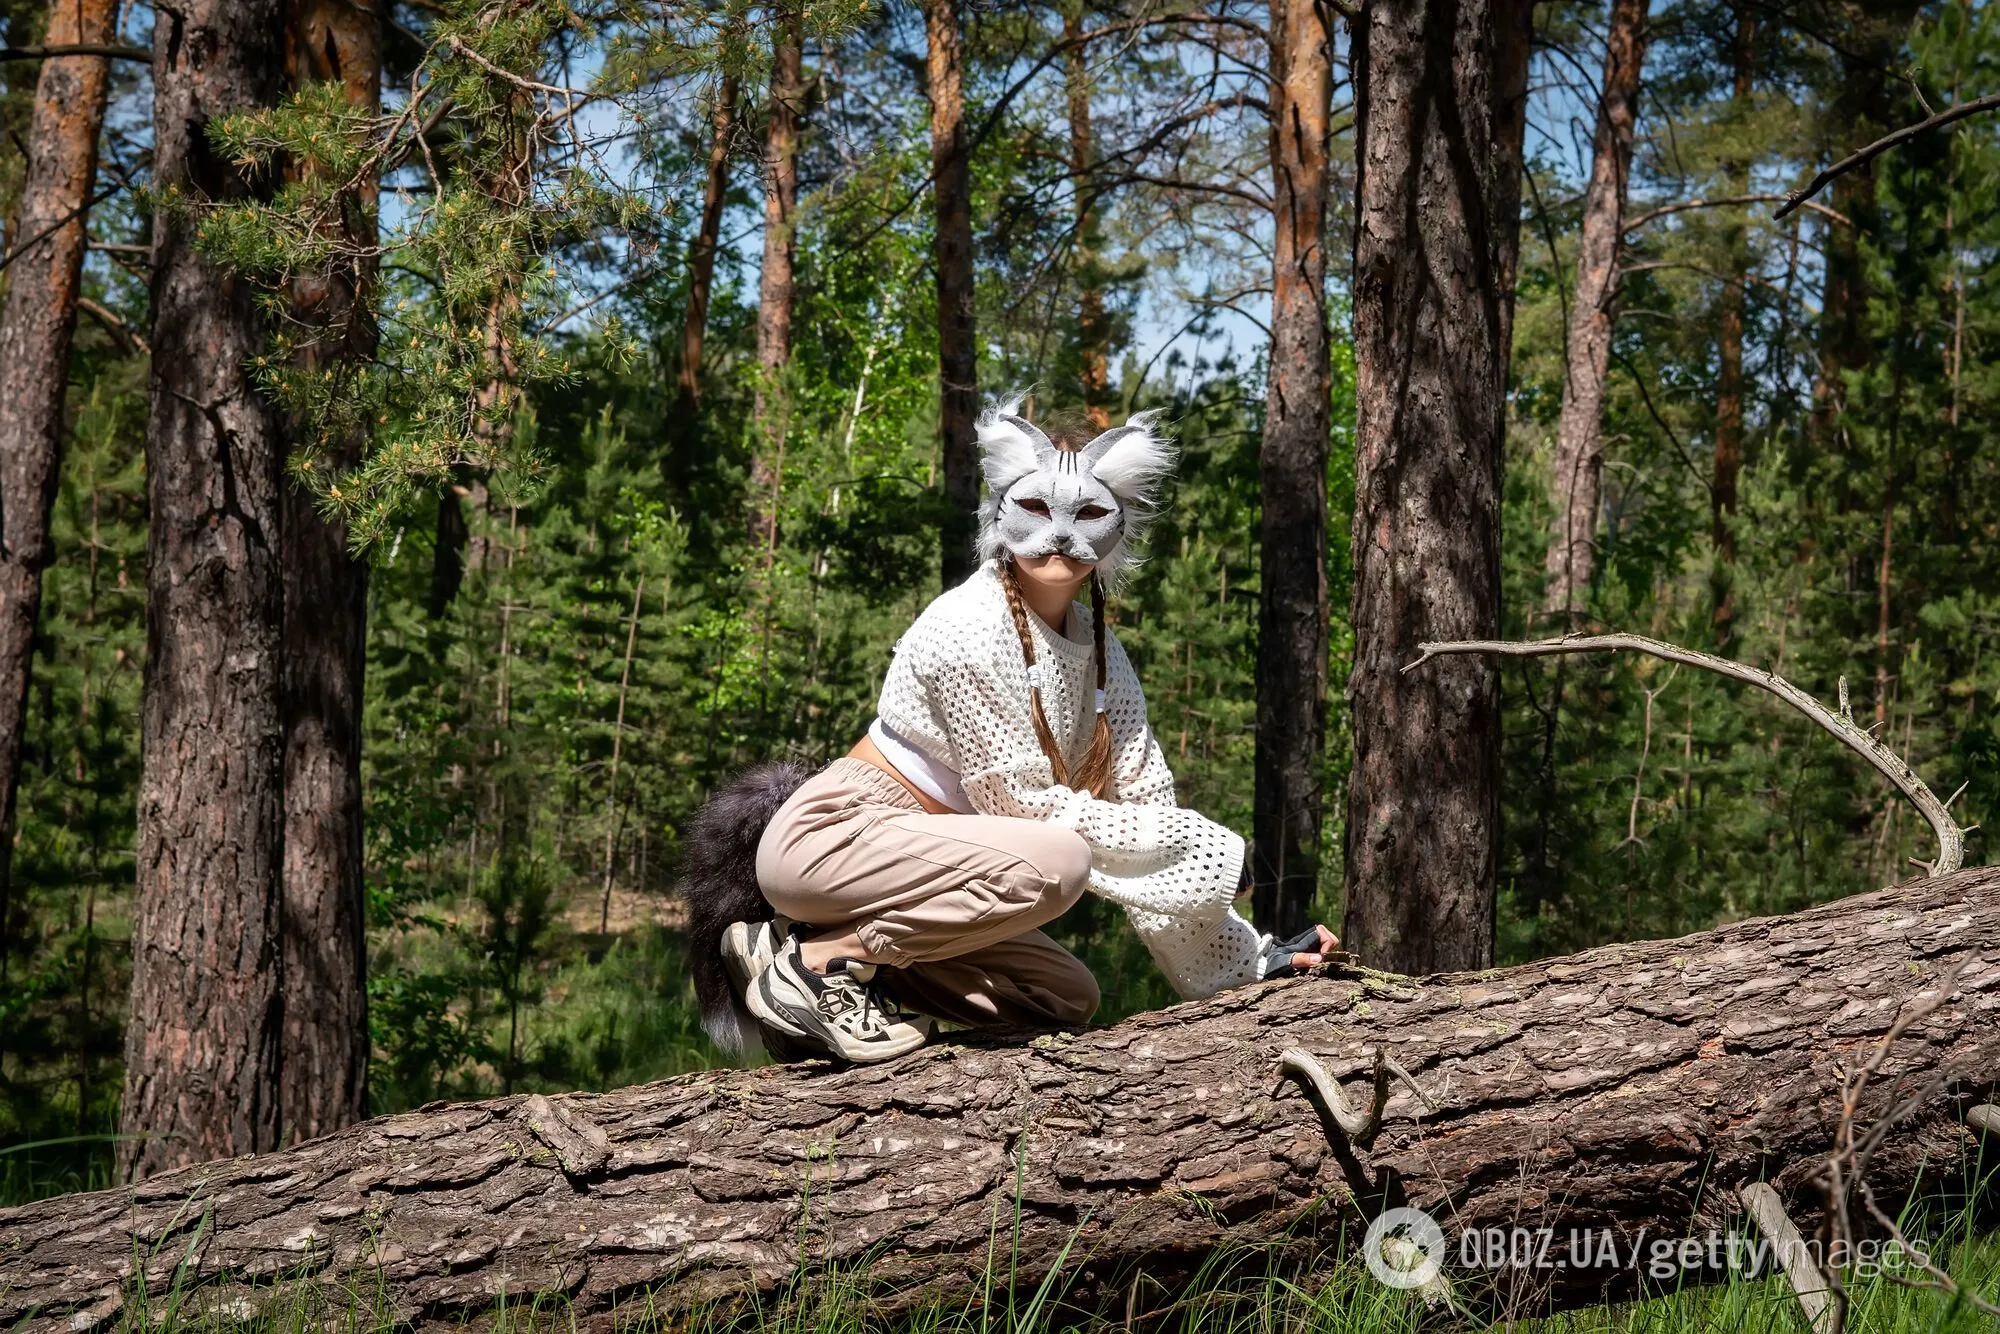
[[950, 902]]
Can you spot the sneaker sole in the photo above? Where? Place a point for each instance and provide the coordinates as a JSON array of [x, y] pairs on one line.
[[768, 1007], [746, 954]]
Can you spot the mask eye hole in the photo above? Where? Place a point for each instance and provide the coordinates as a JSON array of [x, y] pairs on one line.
[[1092, 512], [1036, 507]]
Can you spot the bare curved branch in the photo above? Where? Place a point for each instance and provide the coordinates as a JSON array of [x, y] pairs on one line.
[[1951, 838], [1668, 210], [1883, 145]]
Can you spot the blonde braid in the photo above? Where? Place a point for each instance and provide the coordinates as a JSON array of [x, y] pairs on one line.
[[1043, 733], [1095, 775]]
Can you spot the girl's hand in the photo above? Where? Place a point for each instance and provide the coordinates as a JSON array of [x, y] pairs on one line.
[[1308, 949]]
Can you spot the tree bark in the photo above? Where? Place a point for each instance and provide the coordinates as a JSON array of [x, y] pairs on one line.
[[1861, 112], [447, 552], [205, 1027], [35, 330], [1729, 380], [1423, 818], [1092, 335], [775, 286], [1514, 45], [503, 174], [323, 1081], [1288, 804], [1579, 459], [701, 258], [958, 357], [1632, 1088]]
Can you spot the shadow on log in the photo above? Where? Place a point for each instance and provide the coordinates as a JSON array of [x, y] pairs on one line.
[[1633, 1087]]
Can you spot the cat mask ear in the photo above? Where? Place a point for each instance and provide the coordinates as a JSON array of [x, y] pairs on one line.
[[1133, 460], [1011, 447], [1089, 504]]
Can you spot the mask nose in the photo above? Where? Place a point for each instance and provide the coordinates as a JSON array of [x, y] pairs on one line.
[[1071, 543]]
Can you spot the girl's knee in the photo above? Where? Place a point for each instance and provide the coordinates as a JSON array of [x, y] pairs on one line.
[[1065, 862], [1078, 999]]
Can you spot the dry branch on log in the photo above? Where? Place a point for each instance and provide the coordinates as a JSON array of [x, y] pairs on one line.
[[1860, 740], [1636, 1086], [1808, 1281]]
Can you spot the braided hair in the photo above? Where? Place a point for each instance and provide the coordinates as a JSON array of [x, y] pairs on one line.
[[1094, 774]]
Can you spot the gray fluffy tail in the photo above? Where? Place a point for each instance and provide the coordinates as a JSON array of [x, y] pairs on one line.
[[719, 882]]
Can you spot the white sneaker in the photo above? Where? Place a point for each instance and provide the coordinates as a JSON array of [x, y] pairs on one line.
[[843, 1012], [749, 947], [747, 950]]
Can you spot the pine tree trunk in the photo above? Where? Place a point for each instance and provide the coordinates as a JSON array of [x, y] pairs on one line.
[[1633, 1088], [1579, 459], [447, 552], [204, 1034], [958, 360], [1729, 379], [701, 259], [1093, 367], [504, 171], [323, 1081], [1862, 111], [1514, 43], [775, 288], [35, 329], [1292, 611], [1423, 796]]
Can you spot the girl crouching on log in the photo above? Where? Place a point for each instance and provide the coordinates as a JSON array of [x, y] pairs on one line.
[[1010, 768]]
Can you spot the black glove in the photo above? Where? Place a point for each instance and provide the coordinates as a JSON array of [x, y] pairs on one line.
[[1279, 953]]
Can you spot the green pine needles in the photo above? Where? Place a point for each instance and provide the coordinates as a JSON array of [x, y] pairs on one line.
[[460, 224]]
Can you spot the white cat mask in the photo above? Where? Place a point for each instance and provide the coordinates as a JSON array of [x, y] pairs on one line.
[[1088, 504]]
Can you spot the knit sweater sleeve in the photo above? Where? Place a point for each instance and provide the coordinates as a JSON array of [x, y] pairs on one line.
[[1158, 858], [1139, 769], [1200, 955]]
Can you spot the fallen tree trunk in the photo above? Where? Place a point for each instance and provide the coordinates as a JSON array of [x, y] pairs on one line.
[[1632, 1087]]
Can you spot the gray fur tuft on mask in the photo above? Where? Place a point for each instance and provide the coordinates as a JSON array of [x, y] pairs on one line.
[[1092, 504]]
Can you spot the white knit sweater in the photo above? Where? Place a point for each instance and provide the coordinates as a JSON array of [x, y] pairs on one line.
[[957, 695]]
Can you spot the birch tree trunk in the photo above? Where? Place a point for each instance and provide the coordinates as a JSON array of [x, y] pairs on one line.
[[323, 1083], [1423, 819], [1292, 612], [958, 359], [36, 325], [1630, 1089], [775, 288], [204, 1036], [1579, 458]]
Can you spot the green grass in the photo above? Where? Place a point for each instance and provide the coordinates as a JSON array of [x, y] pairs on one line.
[[1242, 1292], [619, 1013], [37, 1169]]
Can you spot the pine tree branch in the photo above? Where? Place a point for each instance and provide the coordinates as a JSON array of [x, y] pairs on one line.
[[1683, 206], [60, 223], [112, 50], [1883, 145]]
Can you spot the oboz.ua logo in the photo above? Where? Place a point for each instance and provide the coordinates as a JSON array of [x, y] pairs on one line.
[[1404, 1248]]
